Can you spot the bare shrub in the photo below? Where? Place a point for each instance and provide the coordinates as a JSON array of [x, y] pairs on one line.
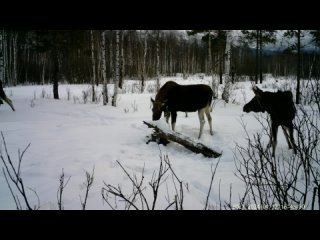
[[68, 94], [85, 96], [126, 110], [32, 103], [76, 99], [62, 186], [12, 175], [87, 185], [134, 106], [286, 181], [137, 199], [43, 93], [151, 88]]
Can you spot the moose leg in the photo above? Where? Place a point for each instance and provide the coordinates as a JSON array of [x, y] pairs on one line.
[[7, 100], [286, 134], [201, 119], [167, 116], [207, 111], [292, 139], [173, 120], [274, 132]]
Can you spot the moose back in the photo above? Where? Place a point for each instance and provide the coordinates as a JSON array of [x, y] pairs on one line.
[[172, 98]]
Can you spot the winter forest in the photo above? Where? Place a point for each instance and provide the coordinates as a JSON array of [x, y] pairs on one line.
[[77, 128]]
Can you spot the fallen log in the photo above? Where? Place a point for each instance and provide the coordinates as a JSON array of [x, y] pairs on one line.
[[187, 142]]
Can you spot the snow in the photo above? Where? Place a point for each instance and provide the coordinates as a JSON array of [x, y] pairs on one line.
[[73, 137]]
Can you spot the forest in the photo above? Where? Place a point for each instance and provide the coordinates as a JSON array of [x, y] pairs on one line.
[[77, 56]]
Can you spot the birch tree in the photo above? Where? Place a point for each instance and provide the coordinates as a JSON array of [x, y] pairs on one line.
[[93, 67], [145, 49], [158, 61], [121, 65], [227, 53], [116, 82], [1, 56], [111, 59], [103, 68]]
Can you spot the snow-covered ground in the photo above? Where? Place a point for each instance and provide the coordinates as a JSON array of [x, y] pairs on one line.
[[75, 137]]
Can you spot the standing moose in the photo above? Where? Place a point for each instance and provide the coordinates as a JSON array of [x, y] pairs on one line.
[[4, 97], [282, 111], [173, 97]]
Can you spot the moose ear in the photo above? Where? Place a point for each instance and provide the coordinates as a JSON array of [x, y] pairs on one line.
[[257, 91], [152, 100]]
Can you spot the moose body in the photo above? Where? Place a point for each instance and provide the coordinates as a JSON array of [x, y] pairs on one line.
[[282, 111], [4, 97], [172, 98]]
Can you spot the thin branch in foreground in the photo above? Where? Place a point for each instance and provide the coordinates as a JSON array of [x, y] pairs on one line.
[[88, 184], [212, 177], [14, 175], [62, 185]]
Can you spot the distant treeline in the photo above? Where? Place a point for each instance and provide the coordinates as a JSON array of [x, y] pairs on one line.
[[28, 56]]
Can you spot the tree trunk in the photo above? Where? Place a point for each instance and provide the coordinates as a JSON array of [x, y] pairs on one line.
[[158, 62], [116, 83], [15, 58], [2, 56], [55, 73], [103, 68], [187, 142], [111, 59], [213, 83], [121, 61], [5, 57], [93, 68], [227, 53], [298, 70], [145, 49], [220, 65], [257, 58], [260, 55]]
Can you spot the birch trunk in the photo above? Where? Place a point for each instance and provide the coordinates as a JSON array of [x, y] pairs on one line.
[[56, 69], [143, 75], [5, 57], [121, 61], [1, 56], [111, 72], [116, 82], [227, 53], [158, 62], [15, 57], [298, 67], [103, 69], [93, 68]]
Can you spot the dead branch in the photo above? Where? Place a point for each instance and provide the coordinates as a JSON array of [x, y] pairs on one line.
[[184, 141]]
